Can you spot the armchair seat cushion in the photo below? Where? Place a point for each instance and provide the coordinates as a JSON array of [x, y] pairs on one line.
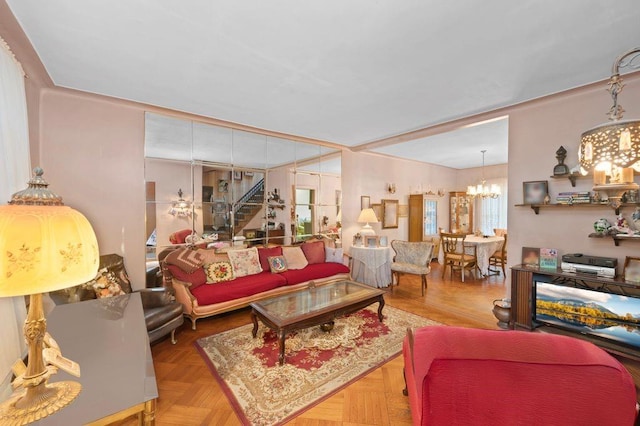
[[409, 268], [159, 315]]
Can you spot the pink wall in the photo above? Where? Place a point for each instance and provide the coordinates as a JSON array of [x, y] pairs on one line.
[[92, 152], [536, 131]]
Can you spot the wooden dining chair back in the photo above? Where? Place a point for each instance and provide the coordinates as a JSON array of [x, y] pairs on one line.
[[458, 255], [411, 258], [499, 258], [499, 232]]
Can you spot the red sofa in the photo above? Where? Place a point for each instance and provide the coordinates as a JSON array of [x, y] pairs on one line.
[[461, 376], [201, 299]]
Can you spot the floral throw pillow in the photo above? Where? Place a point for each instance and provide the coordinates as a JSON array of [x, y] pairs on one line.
[[218, 272], [245, 262], [106, 285], [277, 264]]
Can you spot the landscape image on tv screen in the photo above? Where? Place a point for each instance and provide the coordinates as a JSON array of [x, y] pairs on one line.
[[605, 315]]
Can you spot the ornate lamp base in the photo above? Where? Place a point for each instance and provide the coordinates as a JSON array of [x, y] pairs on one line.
[[36, 403]]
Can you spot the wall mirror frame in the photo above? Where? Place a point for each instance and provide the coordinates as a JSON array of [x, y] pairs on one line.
[[237, 184], [389, 214]]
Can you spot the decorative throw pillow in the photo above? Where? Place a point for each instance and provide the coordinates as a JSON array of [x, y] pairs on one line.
[[218, 272], [106, 285], [265, 252], [186, 259], [314, 252], [245, 262], [193, 280], [294, 257], [333, 255], [277, 264]]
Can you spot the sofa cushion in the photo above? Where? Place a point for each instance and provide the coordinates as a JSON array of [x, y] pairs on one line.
[[218, 272], [313, 252], [277, 264], [245, 262], [334, 255], [179, 237], [196, 278], [240, 287], [106, 285], [295, 257], [314, 272], [265, 252], [187, 259]]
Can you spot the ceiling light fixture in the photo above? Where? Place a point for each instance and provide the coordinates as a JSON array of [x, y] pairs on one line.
[[482, 190], [612, 150]]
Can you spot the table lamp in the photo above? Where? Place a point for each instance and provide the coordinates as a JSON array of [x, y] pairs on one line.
[[44, 246], [367, 216]]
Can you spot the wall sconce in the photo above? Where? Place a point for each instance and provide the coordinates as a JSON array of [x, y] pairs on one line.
[[612, 150], [180, 207], [391, 188]]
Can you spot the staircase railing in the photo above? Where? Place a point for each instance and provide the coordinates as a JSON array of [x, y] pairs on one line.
[[247, 196]]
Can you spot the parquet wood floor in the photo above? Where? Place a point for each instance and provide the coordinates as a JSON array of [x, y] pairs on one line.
[[189, 395]]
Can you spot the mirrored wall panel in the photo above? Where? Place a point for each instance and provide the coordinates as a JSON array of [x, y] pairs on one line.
[[219, 187]]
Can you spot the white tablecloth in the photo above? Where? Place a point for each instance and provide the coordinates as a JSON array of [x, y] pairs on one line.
[[485, 247], [372, 266]]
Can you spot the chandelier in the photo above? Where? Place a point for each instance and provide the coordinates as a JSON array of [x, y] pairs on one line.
[[180, 207], [612, 150], [481, 189]]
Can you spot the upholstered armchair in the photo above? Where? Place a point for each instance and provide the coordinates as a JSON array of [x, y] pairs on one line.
[[465, 376], [411, 258], [162, 314]]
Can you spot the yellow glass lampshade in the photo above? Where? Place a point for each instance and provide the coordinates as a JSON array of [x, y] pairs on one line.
[[45, 248]]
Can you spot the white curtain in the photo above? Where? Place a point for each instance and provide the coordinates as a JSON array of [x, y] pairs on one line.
[[491, 213], [14, 174]]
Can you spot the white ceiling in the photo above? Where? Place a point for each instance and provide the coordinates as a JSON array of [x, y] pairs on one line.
[[348, 72]]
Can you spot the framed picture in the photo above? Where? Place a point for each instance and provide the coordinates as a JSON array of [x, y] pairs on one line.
[[533, 192], [237, 175], [371, 241], [207, 193], [377, 209], [631, 270], [223, 185], [531, 257], [365, 202], [389, 214]]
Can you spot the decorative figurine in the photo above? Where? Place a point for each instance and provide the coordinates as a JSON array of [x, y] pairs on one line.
[[635, 217], [601, 226], [547, 199], [561, 169]]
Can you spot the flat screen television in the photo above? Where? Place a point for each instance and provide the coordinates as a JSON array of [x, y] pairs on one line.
[[605, 315]]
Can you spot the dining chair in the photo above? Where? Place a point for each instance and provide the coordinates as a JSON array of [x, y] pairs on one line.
[[411, 258], [499, 232], [499, 258], [457, 255]]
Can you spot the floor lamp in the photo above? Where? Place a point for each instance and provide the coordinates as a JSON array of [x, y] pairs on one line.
[[44, 246]]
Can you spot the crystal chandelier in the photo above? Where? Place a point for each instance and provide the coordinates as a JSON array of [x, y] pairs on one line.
[[482, 190], [612, 150]]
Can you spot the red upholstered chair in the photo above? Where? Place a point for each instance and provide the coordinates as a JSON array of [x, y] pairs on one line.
[[179, 237], [463, 376]]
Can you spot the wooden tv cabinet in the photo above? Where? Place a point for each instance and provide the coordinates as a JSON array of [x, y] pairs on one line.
[[522, 300]]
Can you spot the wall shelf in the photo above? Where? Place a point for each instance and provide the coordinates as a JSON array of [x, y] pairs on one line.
[[572, 177], [616, 238], [536, 207]]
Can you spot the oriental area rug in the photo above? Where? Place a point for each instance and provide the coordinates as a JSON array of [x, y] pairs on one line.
[[317, 364]]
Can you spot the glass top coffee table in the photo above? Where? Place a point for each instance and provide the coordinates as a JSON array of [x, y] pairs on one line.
[[313, 306]]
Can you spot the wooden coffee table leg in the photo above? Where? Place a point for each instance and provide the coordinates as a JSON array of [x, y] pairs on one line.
[[281, 335], [254, 318], [380, 306]]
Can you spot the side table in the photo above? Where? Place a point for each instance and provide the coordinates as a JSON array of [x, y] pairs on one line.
[[372, 266]]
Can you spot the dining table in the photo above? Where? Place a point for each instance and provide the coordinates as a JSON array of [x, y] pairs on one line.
[[485, 246]]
